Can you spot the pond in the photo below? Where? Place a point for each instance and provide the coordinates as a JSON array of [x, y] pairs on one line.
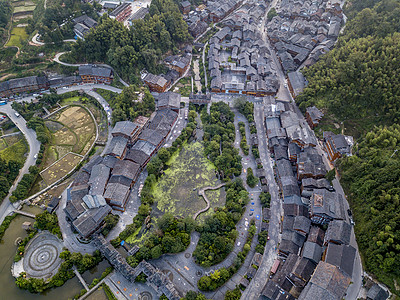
[[8, 288]]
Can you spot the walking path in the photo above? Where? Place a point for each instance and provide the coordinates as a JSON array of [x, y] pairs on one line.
[[24, 213], [57, 60], [81, 279], [202, 193]]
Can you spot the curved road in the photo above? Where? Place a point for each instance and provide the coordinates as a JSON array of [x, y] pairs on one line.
[[34, 146], [57, 60]]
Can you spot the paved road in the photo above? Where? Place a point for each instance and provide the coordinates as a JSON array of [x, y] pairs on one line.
[[34, 146], [57, 60], [254, 289]]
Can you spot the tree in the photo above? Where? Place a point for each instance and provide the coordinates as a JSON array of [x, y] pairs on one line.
[[233, 294], [251, 179], [164, 155], [155, 166]]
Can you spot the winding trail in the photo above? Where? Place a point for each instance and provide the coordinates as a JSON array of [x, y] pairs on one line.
[[202, 193], [57, 60]]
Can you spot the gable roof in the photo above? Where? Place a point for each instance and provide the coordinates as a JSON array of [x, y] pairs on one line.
[[342, 256]]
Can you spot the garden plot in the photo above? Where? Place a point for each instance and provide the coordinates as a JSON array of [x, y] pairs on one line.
[[61, 168], [73, 132]]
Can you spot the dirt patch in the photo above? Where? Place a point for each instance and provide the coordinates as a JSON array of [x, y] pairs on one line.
[[61, 168]]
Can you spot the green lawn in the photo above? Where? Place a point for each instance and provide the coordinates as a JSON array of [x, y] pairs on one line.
[[25, 8], [18, 35], [15, 151], [176, 191], [69, 101]]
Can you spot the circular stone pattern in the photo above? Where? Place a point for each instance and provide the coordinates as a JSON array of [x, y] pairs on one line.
[[145, 296], [41, 259]]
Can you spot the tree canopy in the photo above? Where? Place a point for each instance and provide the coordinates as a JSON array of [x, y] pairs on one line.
[[130, 50]]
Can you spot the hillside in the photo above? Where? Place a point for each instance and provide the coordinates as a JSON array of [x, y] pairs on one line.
[[130, 50], [357, 83]]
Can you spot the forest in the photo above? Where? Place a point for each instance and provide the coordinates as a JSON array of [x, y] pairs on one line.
[[218, 233], [357, 81], [130, 50], [372, 180], [5, 14], [219, 133], [9, 171]]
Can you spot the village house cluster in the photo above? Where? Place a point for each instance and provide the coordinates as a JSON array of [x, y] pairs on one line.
[[204, 14], [104, 184], [91, 74], [303, 31], [313, 263], [239, 61], [177, 64], [156, 279]]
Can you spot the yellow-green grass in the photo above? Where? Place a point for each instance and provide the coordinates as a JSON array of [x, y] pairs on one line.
[[69, 101], [18, 35], [61, 168], [176, 191], [15, 151], [24, 8]]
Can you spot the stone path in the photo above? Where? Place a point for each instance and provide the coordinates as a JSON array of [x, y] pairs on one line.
[[202, 193]]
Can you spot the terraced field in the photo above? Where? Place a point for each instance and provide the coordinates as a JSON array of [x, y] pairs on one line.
[[73, 131]]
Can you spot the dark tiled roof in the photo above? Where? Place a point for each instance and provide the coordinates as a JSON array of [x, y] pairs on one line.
[[126, 169], [119, 9], [98, 179], [152, 136], [295, 210], [97, 159], [125, 128], [312, 251], [377, 293], [93, 70], [316, 235], [117, 146], [338, 232], [137, 156], [109, 161], [342, 256], [116, 193], [169, 99], [331, 279], [302, 224]]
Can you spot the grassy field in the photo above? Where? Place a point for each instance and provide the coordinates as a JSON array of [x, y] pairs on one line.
[[69, 101], [24, 8], [176, 191], [61, 168], [72, 127], [14, 148], [18, 35]]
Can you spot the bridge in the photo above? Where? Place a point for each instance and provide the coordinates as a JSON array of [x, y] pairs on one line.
[[24, 213]]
